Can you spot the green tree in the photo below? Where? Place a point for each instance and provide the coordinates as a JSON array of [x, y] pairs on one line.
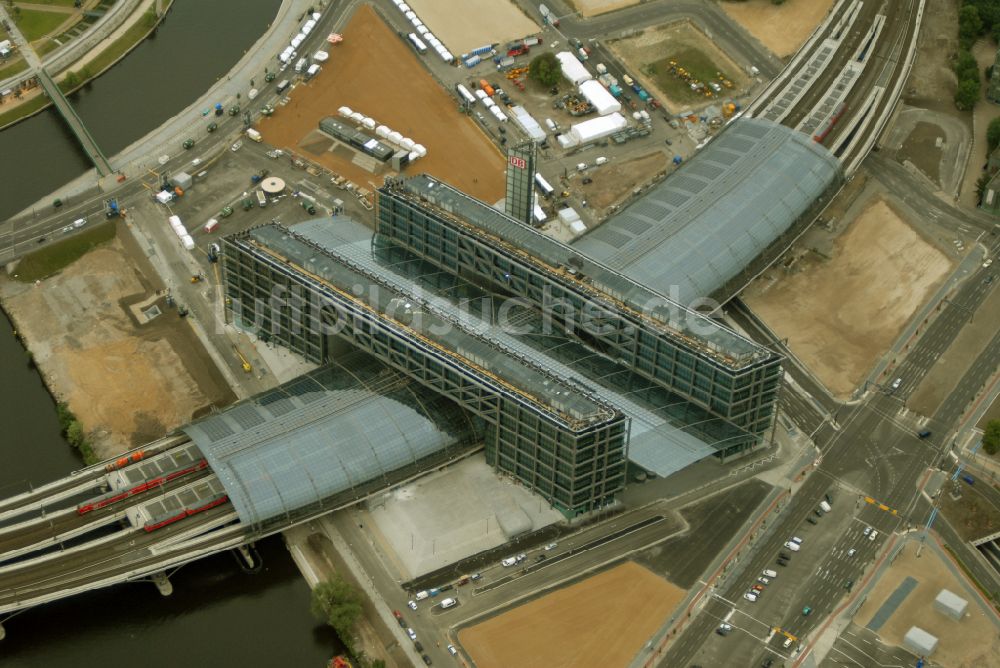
[[338, 604], [966, 66], [981, 184], [71, 80], [545, 69], [993, 134], [967, 94], [969, 25], [991, 437], [74, 434]]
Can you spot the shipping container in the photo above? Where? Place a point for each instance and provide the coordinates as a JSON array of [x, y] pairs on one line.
[[486, 87], [211, 225], [471, 61], [466, 95]]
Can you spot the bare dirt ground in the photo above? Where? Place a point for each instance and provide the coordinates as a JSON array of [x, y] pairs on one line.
[[920, 148], [839, 314], [955, 648], [951, 366], [972, 514], [609, 615], [596, 7], [781, 28], [128, 383], [390, 85], [655, 44], [615, 181], [497, 21], [932, 82]]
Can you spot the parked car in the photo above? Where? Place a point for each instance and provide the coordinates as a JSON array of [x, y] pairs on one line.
[[851, 552], [724, 629], [750, 596], [873, 535], [412, 605], [782, 562], [769, 573], [806, 611], [551, 546], [410, 632], [452, 650], [763, 580], [794, 547], [867, 531], [509, 561]]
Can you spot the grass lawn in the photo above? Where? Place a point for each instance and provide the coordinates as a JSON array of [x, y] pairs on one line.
[[59, 3], [60, 254], [13, 66], [35, 23], [694, 61]]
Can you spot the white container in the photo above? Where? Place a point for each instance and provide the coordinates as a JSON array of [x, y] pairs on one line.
[[188, 242], [211, 225]]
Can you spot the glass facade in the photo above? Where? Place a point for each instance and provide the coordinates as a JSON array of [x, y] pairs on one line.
[[742, 395], [562, 444], [520, 199]]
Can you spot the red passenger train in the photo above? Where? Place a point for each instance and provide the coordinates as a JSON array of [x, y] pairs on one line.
[[160, 522], [146, 485]]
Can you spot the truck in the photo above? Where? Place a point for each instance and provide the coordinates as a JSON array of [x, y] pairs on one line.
[[532, 41], [517, 49], [548, 16], [615, 89], [601, 69], [643, 95], [504, 63], [627, 80], [486, 88], [581, 54], [253, 135]]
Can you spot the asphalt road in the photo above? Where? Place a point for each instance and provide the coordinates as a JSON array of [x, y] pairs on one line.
[[860, 647], [875, 453], [728, 35]]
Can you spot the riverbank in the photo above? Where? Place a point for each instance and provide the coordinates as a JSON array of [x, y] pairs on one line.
[[139, 25]]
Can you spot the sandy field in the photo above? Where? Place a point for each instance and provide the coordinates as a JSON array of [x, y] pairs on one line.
[[917, 609], [610, 615], [497, 21], [596, 7], [656, 44], [396, 90], [954, 363], [840, 314], [124, 381], [614, 181], [781, 28]]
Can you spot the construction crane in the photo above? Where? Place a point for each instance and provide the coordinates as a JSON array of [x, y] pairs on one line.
[[246, 363]]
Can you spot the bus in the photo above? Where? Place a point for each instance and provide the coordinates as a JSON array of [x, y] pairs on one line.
[[417, 43], [468, 97], [544, 186]]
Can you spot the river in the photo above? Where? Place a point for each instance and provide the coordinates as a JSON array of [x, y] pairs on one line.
[[217, 616]]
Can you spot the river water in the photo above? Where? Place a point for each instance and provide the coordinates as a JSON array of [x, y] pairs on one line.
[[217, 616]]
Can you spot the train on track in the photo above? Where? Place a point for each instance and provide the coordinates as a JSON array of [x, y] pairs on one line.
[[162, 521], [146, 485]]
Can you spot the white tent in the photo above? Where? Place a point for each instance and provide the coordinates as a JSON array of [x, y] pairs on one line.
[[382, 131], [598, 95], [407, 143], [395, 137], [419, 150], [369, 123], [572, 68], [357, 117], [596, 128], [345, 112]]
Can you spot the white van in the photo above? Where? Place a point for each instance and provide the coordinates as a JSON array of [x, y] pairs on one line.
[[796, 540], [252, 94], [825, 506], [283, 85], [301, 65], [448, 602], [421, 595], [767, 572], [600, 161], [551, 124], [794, 547]]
